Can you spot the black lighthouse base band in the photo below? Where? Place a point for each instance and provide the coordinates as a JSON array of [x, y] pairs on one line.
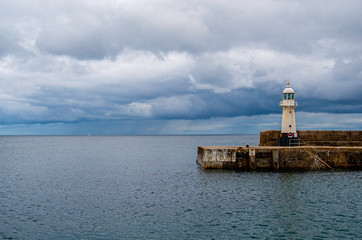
[[288, 139]]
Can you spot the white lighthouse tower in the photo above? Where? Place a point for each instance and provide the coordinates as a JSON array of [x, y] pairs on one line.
[[289, 130]]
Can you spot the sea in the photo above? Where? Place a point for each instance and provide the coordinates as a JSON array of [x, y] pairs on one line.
[[150, 187]]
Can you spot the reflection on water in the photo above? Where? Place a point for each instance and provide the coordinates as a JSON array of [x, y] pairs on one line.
[[149, 187]]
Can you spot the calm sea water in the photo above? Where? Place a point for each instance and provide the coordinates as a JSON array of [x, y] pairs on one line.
[[149, 187]]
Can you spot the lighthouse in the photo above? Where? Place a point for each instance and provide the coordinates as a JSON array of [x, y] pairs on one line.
[[288, 134]]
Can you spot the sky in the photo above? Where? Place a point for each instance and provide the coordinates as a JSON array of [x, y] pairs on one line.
[[177, 67]]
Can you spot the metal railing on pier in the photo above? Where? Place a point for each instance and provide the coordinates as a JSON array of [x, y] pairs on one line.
[[311, 150]]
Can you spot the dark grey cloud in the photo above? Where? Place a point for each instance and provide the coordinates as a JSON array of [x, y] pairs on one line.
[[96, 31], [72, 61], [104, 30]]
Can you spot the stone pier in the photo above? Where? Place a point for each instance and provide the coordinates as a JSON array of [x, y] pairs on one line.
[[276, 158], [316, 138]]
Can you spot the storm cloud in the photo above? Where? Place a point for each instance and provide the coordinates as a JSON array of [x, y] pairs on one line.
[[78, 61]]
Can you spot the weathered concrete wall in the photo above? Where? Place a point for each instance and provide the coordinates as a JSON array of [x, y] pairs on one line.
[[270, 137], [280, 158], [316, 138], [214, 157]]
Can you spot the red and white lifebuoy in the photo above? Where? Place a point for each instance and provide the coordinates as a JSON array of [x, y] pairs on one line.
[[290, 134]]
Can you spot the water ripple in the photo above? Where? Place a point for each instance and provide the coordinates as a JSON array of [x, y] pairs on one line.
[[150, 188]]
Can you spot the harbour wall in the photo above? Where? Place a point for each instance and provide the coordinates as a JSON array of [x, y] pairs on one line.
[[315, 138], [276, 158]]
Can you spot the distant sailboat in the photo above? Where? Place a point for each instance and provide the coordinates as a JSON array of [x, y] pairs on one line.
[[88, 134]]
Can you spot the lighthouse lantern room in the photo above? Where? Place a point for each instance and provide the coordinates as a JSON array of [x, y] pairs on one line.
[[288, 134]]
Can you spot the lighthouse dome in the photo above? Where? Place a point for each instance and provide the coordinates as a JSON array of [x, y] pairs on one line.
[[288, 90]]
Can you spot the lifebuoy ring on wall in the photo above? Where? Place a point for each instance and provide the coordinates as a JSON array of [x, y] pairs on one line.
[[290, 134]]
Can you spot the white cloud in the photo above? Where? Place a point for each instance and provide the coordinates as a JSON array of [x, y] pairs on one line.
[[325, 121], [132, 110], [75, 60]]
